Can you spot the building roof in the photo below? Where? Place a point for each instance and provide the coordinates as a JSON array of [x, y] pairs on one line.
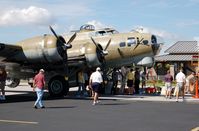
[[183, 47], [170, 57]]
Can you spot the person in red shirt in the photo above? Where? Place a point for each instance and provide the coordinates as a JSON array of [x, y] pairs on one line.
[[38, 86]]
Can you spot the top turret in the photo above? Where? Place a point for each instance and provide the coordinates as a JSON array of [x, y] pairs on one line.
[[87, 27]]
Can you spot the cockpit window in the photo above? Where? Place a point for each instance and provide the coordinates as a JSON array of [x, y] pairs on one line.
[[106, 32], [131, 41], [112, 32], [100, 33]]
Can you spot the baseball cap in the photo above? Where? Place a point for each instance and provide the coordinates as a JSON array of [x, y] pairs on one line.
[[41, 70], [98, 69]]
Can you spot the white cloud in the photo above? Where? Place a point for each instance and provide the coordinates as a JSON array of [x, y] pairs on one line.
[[159, 32], [97, 24], [27, 16]]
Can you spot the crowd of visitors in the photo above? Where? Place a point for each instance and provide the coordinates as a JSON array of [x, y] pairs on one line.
[[131, 81]]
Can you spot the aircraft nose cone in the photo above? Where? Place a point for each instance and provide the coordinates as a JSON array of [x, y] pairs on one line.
[[156, 44], [156, 48]]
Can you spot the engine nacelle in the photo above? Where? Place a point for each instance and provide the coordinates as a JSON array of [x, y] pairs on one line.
[[41, 49], [93, 55]]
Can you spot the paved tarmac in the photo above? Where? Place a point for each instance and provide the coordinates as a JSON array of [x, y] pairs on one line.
[[114, 113]]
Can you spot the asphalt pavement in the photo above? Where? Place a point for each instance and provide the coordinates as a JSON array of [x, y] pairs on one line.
[[114, 113]]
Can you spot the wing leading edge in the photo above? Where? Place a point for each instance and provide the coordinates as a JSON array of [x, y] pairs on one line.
[[8, 52]]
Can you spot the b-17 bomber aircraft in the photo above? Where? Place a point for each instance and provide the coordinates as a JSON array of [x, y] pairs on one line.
[[62, 56]]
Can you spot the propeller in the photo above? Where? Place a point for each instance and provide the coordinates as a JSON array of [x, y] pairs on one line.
[[64, 55], [103, 51], [138, 42], [66, 45]]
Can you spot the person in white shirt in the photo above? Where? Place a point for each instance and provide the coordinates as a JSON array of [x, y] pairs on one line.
[[180, 79], [95, 82]]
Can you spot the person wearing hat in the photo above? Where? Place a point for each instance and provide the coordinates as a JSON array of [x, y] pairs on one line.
[[95, 83], [180, 79], [38, 86]]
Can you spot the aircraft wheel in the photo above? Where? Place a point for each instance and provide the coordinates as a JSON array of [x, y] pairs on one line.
[[58, 87]]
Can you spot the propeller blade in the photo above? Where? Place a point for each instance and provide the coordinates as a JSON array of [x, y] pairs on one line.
[[120, 52], [95, 43], [136, 46], [66, 46], [107, 45], [138, 43], [53, 32], [71, 39]]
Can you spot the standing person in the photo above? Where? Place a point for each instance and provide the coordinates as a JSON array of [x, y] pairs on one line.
[[81, 82], [95, 83], [130, 80], [168, 78], [143, 80], [115, 81], [123, 79], [86, 83], [189, 82], [180, 79], [3, 76], [137, 81], [38, 86]]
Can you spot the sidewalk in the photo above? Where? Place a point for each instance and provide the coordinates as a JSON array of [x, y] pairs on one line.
[[24, 88], [158, 98]]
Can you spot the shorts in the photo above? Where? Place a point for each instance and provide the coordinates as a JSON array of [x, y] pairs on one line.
[[96, 87], [130, 83], [168, 86], [179, 86]]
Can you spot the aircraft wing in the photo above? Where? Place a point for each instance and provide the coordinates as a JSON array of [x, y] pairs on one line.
[[8, 52]]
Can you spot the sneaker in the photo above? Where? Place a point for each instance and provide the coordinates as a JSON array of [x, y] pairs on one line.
[[94, 103], [35, 107], [98, 101], [176, 100], [43, 107]]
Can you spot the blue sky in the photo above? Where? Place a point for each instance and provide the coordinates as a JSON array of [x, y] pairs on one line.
[[173, 20]]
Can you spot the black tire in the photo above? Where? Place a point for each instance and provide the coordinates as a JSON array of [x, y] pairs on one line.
[[58, 87], [14, 82]]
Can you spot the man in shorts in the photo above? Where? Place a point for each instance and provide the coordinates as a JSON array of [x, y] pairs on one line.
[[95, 83], [180, 79]]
